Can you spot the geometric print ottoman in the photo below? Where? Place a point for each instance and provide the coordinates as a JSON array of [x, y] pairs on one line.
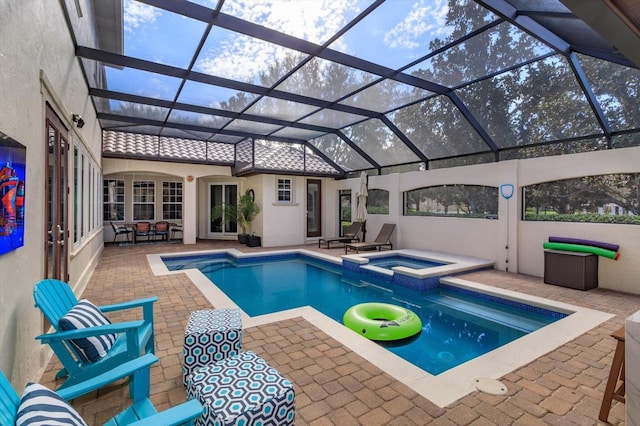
[[242, 390], [210, 336]]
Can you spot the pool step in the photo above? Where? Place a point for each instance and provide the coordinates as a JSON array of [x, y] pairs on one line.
[[497, 315]]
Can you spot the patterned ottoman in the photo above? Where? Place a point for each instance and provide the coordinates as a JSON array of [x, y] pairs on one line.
[[242, 390], [211, 336]]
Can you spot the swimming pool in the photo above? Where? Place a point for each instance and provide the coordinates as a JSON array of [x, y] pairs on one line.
[[458, 325], [441, 389]]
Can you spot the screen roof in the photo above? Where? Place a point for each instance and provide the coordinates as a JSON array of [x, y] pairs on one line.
[[353, 84]]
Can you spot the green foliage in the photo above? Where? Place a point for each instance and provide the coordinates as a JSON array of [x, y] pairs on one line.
[[585, 199], [585, 218], [243, 214], [452, 200]]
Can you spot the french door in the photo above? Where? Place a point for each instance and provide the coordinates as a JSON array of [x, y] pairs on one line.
[[220, 196], [57, 195], [314, 217]]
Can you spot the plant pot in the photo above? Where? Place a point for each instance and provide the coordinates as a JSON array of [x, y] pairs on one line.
[[243, 238], [254, 241]]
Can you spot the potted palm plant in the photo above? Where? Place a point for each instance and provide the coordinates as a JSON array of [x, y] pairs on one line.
[[243, 214]]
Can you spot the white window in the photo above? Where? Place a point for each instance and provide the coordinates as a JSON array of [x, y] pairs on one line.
[[172, 200], [285, 190], [144, 200], [113, 199]]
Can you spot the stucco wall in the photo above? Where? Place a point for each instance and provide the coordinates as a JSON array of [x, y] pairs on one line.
[[38, 67], [486, 238]]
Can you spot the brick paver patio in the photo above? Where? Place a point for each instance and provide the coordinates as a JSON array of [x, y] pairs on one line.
[[335, 386]]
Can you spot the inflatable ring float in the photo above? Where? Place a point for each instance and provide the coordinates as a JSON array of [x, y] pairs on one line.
[[382, 321]]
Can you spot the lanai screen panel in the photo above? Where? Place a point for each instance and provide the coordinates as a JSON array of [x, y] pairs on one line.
[[212, 96], [326, 80], [239, 57], [532, 104], [438, 128], [377, 140], [280, 108], [198, 119], [386, 95], [312, 20], [489, 52], [617, 89], [340, 152]]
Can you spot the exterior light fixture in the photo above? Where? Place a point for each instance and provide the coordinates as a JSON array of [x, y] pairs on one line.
[[77, 118]]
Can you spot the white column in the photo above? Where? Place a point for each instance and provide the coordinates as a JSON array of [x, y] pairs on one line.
[[189, 211], [632, 369]]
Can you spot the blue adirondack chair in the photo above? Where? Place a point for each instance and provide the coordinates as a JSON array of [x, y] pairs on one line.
[[141, 413], [134, 338]]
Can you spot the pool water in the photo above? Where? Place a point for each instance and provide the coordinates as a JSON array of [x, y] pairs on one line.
[[388, 262], [458, 325]]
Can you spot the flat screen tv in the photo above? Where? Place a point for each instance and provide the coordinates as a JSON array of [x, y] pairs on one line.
[[13, 163]]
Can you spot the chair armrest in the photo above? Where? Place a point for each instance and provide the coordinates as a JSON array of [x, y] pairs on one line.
[[180, 414], [108, 377], [128, 305], [91, 331]]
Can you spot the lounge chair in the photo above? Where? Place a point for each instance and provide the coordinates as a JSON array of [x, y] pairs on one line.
[[49, 407], [87, 345], [383, 240], [350, 235]]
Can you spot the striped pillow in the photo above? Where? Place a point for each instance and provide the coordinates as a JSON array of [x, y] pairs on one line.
[[40, 406], [84, 315]]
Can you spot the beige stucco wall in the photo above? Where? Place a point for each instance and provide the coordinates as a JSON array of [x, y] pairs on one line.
[[38, 66], [486, 238]]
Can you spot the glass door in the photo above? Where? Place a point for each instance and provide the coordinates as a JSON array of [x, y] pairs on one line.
[[314, 217], [344, 205], [57, 236], [220, 197]]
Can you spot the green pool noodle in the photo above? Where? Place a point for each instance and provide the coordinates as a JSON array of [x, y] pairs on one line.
[[582, 248]]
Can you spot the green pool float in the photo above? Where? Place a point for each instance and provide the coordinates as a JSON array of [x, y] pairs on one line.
[[382, 321]]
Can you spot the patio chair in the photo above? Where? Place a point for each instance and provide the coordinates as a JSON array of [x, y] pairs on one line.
[[86, 343], [350, 235], [142, 229], [383, 240], [176, 229], [120, 230], [162, 229], [52, 408]]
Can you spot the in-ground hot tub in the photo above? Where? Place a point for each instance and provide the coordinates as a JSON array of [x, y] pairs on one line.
[[418, 269]]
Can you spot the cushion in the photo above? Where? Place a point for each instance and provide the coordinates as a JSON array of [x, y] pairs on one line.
[[84, 315], [41, 406]]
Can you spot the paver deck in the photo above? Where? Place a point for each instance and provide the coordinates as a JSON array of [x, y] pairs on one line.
[[335, 386]]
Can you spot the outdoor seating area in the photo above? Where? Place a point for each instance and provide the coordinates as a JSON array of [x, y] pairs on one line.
[[333, 383], [149, 232]]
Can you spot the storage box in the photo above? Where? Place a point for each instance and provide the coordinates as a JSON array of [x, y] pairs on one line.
[[571, 269]]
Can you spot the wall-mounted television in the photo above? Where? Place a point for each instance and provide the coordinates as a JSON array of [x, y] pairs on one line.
[[13, 165]]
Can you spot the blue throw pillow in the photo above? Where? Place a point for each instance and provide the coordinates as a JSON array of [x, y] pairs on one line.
[[84, 315], [40, 406]]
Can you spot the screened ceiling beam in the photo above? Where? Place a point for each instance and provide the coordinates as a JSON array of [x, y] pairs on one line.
[[250, 29], [183, 126], [607, 56], [588, 91], [108, 94], [144, 65], [357, 149], [404, 139], [325, 158], [474, 123], [527, 24]]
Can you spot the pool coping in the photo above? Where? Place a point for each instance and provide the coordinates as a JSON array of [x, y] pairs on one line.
[[452, 264], [442, 389]]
